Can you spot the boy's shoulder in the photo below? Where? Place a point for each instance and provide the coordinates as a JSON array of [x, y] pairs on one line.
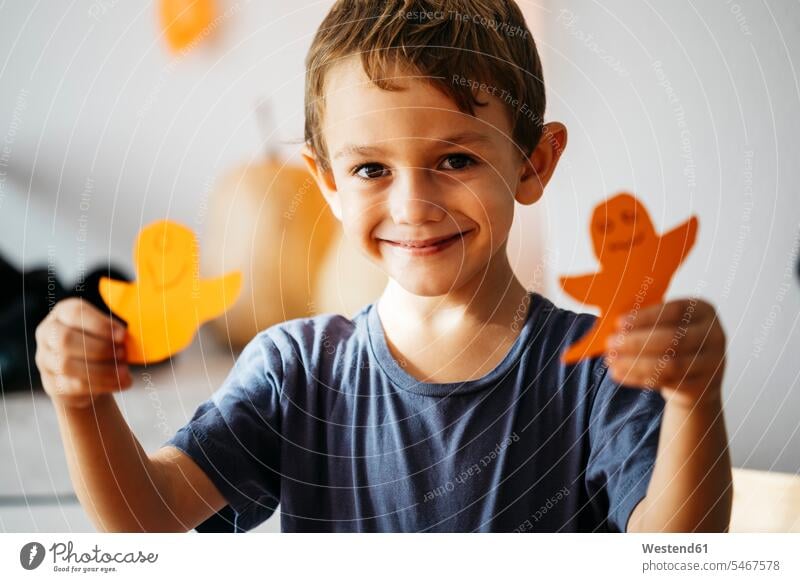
[[558, 324], [304, 333], [561, 315]]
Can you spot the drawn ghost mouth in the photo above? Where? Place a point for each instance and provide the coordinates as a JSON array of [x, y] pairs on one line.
[[626, 245], [161, 282]]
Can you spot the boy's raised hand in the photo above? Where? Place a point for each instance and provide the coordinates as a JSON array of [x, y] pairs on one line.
[[80, 353], [676, 347]]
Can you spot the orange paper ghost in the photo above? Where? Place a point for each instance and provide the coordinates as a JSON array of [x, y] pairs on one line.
[[636, 266], [168, 301], [185, 20]]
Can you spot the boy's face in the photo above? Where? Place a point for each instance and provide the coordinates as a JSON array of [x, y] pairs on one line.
[[431, 171]]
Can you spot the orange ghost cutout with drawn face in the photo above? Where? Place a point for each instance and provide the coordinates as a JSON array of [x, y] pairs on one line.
[[636, 266], [168, 301]]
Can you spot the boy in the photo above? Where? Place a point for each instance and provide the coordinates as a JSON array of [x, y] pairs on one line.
[[443, 406]]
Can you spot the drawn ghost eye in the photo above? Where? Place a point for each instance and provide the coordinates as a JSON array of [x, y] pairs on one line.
[[604, 226], [627, 216]]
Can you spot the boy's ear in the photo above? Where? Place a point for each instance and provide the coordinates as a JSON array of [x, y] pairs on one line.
[[539, 166], [324, 180]]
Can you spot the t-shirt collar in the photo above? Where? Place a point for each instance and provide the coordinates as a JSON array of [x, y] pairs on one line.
[[401, 378]]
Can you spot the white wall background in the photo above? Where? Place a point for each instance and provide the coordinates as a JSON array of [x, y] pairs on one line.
[[691, 105], [694, 107]]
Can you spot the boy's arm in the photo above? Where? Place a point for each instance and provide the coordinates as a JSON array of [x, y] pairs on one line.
[[120, 486], [690, 488], [81, 356], [679, 348]]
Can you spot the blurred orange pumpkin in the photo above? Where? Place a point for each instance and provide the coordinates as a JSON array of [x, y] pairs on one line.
[[270, 221]]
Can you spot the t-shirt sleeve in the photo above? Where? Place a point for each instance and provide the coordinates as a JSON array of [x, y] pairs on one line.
[[623, 434], [234, 437]]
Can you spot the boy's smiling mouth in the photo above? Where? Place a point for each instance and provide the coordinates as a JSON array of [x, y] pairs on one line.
[[425, 242], [427, 247]]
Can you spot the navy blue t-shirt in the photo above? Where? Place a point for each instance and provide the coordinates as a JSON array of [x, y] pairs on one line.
[[317, 415]]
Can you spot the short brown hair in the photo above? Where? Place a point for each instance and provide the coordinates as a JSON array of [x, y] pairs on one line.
[[486, 43]]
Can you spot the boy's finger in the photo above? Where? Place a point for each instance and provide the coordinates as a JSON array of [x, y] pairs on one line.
[[99, 373], [680, 311], [630, 378], [71, 342], [80, 314], [68, 386], [656, 340], [107, 375], [652, 371]]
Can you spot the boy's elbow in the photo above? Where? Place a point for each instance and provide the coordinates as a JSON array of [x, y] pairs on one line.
[[137, 526], [133, 520]]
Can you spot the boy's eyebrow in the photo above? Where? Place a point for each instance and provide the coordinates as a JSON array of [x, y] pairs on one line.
[[464, 137]]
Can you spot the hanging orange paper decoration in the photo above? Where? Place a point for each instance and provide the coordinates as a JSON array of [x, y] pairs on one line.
[[184, 21]]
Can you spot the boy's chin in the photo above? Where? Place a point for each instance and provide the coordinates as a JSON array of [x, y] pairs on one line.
[[428, 284]]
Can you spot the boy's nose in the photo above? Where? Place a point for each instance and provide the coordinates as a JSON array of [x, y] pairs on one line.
[[414, 198]]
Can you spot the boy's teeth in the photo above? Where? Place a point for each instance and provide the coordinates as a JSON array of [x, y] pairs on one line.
[[420, 245]]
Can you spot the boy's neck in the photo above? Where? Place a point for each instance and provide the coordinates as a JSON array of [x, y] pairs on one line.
[[460, 336], [493, 297]]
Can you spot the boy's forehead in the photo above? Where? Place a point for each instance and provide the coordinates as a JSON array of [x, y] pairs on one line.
[[359, 112]]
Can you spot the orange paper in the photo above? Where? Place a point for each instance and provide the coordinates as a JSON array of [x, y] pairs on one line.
[[168, 301], [185, 20], [636, 266]]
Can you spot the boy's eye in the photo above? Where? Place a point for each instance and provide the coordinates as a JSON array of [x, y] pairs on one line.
[[462, 161], [371, 171]]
